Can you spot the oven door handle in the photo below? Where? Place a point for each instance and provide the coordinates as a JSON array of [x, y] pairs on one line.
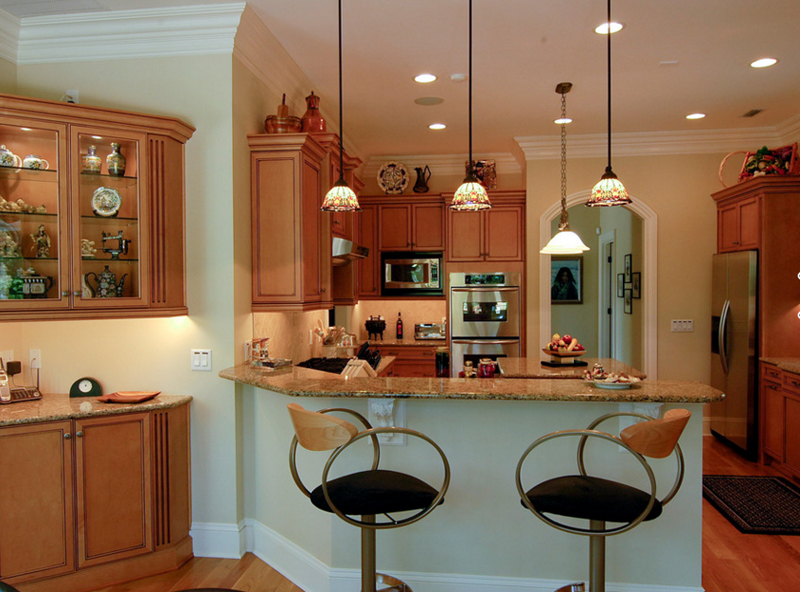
[[485, 341], [484, 289]]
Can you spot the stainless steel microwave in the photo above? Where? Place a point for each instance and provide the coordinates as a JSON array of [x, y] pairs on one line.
[[411, 274]]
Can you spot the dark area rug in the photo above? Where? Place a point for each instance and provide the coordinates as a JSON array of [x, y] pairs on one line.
[[755, 505]]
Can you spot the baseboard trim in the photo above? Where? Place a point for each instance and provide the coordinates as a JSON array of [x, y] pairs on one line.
[[312, 575]]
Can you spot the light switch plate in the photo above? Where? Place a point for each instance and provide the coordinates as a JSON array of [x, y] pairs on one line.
[[201, 360]]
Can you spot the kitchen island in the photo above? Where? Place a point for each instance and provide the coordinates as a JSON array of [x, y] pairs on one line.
[[481, 539]]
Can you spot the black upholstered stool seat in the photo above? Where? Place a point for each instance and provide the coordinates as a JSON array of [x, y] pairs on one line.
[[591, 498], [370, 493]]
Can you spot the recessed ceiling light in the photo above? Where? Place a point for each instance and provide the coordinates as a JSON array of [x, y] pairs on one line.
[[428, 101], [458, 77], [613, 26], [563, 121], [764, 63], [695, 116], [437, 126], [425, 78]]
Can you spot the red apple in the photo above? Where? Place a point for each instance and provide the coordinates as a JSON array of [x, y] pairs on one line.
[[567, 339]]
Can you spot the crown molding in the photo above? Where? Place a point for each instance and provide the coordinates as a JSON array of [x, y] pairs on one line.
[[9, 36], [652, 143], [128, 34], [445, 164]]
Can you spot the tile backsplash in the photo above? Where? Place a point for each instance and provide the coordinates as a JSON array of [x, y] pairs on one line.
[[412, 311], [288, 333]]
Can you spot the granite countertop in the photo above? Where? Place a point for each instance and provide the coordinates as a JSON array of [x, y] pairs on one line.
[[57, 407], [300, 382], [532, 368], [788, 364], [405, 342]]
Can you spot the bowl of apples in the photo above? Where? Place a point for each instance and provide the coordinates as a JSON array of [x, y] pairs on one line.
[[564, 349]]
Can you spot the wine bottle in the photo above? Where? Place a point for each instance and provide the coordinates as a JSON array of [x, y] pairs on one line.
[[399, 326]]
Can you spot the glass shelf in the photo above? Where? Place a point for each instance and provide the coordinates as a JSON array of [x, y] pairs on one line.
[[31, 215], [26, 174], [109, 219], [108, 260]]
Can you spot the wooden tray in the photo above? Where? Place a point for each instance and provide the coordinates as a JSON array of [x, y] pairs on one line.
[[129, 396]]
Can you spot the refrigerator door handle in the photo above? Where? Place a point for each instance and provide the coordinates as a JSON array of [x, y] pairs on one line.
[[722, 335]]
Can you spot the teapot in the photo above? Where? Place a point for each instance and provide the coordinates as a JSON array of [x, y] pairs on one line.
[[107, 286], [8, 158], [421, 186], [35, 162]]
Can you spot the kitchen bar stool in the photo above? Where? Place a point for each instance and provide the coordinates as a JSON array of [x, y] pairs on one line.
[[7, 588], [365, 493], [600, 500]]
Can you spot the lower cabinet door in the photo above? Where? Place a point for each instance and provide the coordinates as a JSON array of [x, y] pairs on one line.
[[772, 395], [114, 506], [792, 438], [36, 503]]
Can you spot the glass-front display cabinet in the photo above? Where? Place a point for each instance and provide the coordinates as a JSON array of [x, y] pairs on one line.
[[91, 212]]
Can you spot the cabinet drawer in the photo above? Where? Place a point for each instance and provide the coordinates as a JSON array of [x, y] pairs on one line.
[[771, 372], [791, 382]]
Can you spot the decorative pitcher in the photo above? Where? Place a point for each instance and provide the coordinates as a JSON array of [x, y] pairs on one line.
[[313, 121], [107, 286], [421, 186]]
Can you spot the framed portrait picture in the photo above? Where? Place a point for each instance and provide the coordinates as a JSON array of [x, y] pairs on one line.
[[620, 285], [636, 284], [566, 279], [628, 268], [628, 301]]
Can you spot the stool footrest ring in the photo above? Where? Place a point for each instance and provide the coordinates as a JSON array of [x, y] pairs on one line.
[[576, 587], [390, 584]]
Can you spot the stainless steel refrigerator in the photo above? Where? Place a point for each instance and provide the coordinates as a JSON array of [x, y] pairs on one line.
[[734, 349]]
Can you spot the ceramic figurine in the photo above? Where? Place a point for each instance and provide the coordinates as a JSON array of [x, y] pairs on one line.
[[115, 161], [91, 162], [41, 243], [87, 249], [9, 246]]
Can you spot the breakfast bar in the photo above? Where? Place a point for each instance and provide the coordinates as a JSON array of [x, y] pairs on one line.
[[483, 426]]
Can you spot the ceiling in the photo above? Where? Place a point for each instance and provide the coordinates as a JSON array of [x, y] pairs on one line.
[[672, 58]]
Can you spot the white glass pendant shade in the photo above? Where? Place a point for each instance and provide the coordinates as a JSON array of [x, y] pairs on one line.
[[565, 242], [340, 199], [609, 191], [471, 196]]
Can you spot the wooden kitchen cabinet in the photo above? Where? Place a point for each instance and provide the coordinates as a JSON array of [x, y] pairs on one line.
[[497, 234], [369, 281], [738, 225], [780, 416], [410, 360], [291, 237], [92, 501], [415, 226], [772, 404], [64, 229]]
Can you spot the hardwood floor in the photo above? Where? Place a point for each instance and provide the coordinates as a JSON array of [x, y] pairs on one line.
[[732, 561], [736, 562]]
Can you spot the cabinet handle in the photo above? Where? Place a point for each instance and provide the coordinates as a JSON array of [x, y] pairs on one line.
[[79, 434], [76, 293], [794, 383], [65, 293], [773, 387], [322, 290], [67, 436]]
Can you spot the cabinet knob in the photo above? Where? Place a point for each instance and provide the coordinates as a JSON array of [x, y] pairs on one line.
[[76, 293], [322, 289], [65, 293], [67, 436], [773, 387], [79, 434]]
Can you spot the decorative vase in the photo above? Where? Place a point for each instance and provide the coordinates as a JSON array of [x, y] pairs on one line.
[[312, 119], [115, 161], [423, 175], [92, 162]]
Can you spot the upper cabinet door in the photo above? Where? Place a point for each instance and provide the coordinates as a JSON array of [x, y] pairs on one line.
[[428, 227], [504, 238], [34, 236], [465, 236], [110, 238], [395, 227]]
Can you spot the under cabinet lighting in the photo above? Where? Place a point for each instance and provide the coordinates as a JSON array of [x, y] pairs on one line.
[[606, 28], [26, 129]]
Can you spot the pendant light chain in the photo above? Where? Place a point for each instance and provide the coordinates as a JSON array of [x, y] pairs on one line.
[[341, 103], [608, 68], [564, 221], [471, 166]]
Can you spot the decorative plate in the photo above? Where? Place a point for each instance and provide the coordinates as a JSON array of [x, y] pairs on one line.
[[129, 396], [106, 202], [610, 385], [393, 178]]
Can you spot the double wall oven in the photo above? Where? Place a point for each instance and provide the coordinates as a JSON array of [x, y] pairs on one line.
[[485, 320]]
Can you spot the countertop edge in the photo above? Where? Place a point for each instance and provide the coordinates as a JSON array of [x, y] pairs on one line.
[[787, 364]]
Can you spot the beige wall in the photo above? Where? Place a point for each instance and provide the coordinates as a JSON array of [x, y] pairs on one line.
[[143, 354], [678, 189]]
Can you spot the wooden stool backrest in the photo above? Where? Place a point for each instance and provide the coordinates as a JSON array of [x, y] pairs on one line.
[[657, 438], [317, 431]]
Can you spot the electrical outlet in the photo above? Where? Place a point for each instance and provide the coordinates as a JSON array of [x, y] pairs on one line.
[[7, 355], [35, 358], [201, 360], [71, 96]]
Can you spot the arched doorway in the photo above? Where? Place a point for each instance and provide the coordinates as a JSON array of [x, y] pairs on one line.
[[649, 276]]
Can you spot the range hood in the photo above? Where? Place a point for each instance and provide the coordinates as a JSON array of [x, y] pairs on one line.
[[345, 251]]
